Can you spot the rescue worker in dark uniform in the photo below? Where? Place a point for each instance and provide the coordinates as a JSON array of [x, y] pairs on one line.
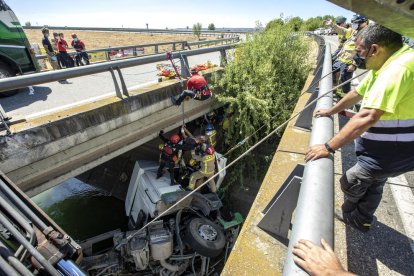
[[207, 167], [169, 154], [196, 88]]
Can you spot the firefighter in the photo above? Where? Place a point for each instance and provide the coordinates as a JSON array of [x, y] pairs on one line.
[[169, 154], [211, 135], [197, 89], [207, 166]]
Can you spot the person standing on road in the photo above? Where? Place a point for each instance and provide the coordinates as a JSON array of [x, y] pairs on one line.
[[62, 46], [51, 55], [344, 33], [383, 128], [197, 89], [80, 48], [344, 62]]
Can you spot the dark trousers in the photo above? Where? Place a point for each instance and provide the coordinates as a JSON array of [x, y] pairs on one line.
[[66, 60], [167, 162], [363, 192], [192, 94], [344, 75], [79, 56]]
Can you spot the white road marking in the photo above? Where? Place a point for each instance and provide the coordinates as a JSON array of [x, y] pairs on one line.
[[107, 95], [404, 200]]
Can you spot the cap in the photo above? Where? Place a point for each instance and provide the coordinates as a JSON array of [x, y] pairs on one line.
[[340, 20], [357, 18]]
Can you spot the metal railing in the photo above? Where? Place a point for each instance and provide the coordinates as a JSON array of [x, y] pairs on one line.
[[45, 77], [137, 48], [314, 212]]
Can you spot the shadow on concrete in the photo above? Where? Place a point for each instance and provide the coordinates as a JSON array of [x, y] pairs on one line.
[[381, 244], [23, 98]]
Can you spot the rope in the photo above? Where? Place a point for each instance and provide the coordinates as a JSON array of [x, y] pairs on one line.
[[249, 136], [234, 161]]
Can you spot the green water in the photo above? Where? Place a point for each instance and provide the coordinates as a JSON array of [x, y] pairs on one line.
[[82, 210]]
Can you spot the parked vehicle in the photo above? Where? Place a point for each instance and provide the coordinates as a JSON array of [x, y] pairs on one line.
[[16, 55], [182, 241]]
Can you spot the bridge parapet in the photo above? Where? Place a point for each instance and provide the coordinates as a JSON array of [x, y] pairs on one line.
[[44, 151]]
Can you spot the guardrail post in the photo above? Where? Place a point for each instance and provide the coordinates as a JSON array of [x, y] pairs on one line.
[[184, 66], [314, 212], [173, 47], [134, 51], [223, 58], [107, 56], [156, 49]]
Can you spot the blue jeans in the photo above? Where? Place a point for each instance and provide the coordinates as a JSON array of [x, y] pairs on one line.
[[344, 75], [363, 191]]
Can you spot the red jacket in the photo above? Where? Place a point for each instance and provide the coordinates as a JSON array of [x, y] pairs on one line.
[[196, 82], [62, 45]]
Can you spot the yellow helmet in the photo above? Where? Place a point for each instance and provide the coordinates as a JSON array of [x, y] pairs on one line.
[[192, 162], [161, 146]]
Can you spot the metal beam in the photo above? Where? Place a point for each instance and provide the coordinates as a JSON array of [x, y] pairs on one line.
[[314, 212], [45, 77], [397, 15]]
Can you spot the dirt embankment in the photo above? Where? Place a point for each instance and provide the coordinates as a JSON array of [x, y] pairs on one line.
[[99, 39]]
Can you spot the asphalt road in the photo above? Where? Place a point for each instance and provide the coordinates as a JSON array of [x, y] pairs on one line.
[[50, 97]]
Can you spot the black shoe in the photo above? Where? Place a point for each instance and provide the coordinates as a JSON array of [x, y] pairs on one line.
[[174, 101], [158, 175], [352, 221]]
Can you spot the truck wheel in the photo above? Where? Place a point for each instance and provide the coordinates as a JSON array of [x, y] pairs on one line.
[[6, 72], [205, 237]]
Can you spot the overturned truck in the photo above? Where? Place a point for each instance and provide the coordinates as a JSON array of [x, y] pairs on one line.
[[184, 240]]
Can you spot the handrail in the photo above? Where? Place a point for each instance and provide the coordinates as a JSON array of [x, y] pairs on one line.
[[45, 77], [314, 212], [183, 43]]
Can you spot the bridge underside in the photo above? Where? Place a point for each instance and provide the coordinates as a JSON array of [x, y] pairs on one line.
[[45, 151]]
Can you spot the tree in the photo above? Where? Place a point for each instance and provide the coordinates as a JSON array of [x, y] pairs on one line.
[[261, 86], [274, 23], [295, 23], [197, 29], [211, 27], [147, 25], [28, 24]]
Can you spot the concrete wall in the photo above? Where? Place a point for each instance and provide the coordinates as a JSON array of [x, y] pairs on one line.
[[46, 151]]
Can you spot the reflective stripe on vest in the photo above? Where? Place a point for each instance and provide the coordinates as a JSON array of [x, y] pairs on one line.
[[205, 164]]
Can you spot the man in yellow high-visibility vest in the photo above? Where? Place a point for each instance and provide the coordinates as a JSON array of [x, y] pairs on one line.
[[208, 165]]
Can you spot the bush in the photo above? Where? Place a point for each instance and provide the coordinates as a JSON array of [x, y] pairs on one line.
[[261, 86]]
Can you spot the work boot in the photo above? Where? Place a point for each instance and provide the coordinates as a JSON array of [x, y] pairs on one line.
[[174, 101], [159, 175], [352, 221]]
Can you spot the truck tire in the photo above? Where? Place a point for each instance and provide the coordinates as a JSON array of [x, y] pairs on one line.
[[6, 72], [205, 237]]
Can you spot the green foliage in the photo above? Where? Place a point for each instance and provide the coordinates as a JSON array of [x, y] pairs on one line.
[[313, 23], [28, 24], [261, 86], [211, 27], [197, 29], [295, 23]]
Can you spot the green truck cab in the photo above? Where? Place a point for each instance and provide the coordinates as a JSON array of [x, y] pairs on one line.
[[16, 55]]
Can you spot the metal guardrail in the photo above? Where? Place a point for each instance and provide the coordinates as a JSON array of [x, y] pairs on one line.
[[314, 212], [227, 32], [135, 48], [45, 77]]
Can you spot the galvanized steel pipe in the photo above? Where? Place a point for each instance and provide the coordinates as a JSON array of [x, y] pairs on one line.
[[39, 78], [314, 212]]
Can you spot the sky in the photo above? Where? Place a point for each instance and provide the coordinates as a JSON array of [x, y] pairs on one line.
[[167, 14]]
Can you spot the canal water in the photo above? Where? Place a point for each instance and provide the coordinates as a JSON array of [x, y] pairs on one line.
[[82, 210]]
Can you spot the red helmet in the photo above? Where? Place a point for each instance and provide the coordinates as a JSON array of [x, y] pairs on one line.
[[167, 150], [210, 150], [193, 71], [174, 138]]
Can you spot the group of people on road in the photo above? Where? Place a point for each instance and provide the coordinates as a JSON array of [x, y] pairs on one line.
[[201, 163], [56, 50], [383, 131]]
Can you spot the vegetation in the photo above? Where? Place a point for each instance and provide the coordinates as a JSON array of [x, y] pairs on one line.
[[261, 86], [28, 24], [211, 27], [313, 23], [197, 29]]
